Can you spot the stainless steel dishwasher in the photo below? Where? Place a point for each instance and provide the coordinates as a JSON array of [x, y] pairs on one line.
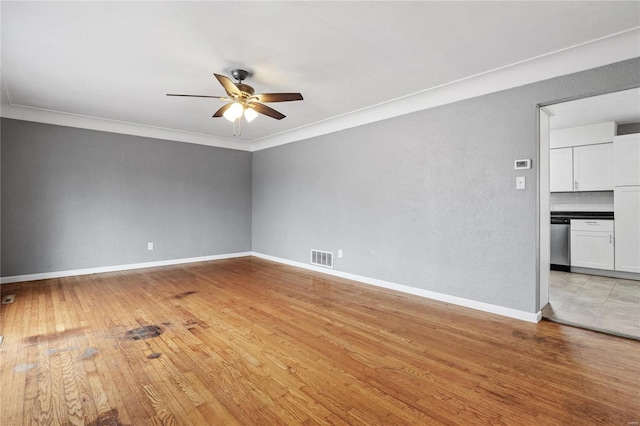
[[560, 243]]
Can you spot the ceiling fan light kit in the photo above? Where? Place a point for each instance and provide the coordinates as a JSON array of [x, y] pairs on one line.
[[234, 112], [243, 102], [250, 115]]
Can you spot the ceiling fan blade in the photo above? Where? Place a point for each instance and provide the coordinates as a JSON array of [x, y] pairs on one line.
[[220, 112], [229, 86], [263, 109], [279, 97], [198, 96]]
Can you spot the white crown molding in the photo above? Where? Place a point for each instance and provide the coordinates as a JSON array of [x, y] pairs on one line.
[[454, 300], [604, 51], [19, 112], [115, 268]]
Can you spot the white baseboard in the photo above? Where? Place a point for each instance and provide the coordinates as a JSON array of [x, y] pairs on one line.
[[454, 300], [115, 268]]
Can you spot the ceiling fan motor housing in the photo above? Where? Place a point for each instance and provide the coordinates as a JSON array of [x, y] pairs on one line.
[[245, 88], [240, 75]]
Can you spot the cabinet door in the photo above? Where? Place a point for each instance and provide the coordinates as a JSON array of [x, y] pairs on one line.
[[592, 249], [626, 201], [626, 158], [593, 167], [561, 170]]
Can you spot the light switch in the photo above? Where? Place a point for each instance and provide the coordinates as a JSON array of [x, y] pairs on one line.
[[520, 182]]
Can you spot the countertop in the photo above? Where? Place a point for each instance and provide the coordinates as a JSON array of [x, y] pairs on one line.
[[583, 214]]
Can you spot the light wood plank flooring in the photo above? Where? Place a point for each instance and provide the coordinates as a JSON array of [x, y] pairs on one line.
[[250, 342]]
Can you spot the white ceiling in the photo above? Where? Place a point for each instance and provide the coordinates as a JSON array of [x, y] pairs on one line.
[[623, 107], [117, 60]]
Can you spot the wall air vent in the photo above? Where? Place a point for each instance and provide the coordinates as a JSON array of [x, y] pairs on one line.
[[322, 258]]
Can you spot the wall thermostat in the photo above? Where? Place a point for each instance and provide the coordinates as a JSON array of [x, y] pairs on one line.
[[523, 164]]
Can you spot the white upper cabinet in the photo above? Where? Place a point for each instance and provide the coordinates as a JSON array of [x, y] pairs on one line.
[[561, 169], [627, 213], [626, 157], [593, 167], [582, 168], [581, 158]]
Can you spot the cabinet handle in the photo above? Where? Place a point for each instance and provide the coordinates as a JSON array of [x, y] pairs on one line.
[[575, 184], [591, 222]]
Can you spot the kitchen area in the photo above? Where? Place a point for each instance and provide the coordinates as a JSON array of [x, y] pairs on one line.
[[594, 200]]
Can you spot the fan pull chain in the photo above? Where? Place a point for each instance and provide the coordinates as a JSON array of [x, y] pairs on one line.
[[239, 132]]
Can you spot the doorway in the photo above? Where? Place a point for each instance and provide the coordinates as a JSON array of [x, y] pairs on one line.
[[601, 300]]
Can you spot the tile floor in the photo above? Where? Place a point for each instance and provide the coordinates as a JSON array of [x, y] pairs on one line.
[[600, 303]]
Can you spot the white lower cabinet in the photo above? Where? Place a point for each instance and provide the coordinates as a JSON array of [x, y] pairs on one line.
[[592, 244], [626, 201]]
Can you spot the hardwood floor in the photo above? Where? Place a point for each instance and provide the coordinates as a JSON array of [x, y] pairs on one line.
[[250, 342]]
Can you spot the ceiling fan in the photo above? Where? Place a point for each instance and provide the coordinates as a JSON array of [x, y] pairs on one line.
[[243, 101]]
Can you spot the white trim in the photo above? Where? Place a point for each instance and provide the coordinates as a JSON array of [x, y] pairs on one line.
[[115, 268], [454, 300], [19, 112], [481, 306], [543, 213], [603, 51]]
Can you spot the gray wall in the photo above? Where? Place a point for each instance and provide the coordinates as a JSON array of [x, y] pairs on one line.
[[427, 199], [626, 129], [74, 198]]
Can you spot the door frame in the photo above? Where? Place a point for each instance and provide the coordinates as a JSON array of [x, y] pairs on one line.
[[543, 196], [544, 210]]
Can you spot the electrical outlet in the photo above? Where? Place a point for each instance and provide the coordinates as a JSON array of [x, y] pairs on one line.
[[340, 254], [149, 246], [9, 298]]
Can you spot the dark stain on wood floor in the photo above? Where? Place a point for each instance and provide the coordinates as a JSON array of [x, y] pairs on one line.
[[184, 294], [145, 332], [108, 418]]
